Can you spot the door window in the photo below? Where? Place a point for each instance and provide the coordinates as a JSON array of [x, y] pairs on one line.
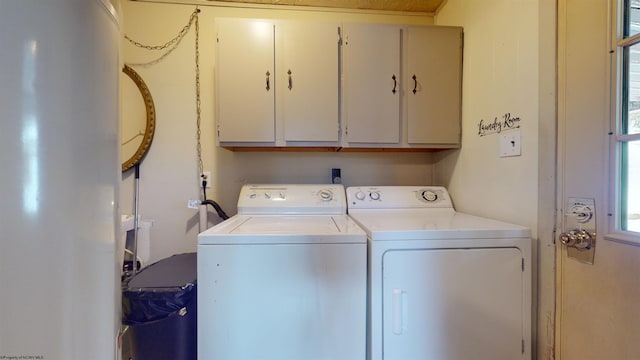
[[626, 136]]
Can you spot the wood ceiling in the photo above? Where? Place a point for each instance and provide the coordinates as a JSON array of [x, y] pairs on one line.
[[424, 6]]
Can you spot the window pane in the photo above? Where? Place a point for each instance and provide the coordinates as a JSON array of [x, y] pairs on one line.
[[630, 219], [631, 93], [632, 18]]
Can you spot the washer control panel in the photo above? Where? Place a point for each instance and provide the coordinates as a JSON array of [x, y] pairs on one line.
[[388, 197], [292, 199]]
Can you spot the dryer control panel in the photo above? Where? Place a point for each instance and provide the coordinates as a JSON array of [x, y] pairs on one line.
[[398, 197]]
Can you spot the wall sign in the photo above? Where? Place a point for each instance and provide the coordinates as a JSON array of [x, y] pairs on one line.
[[506, 122]]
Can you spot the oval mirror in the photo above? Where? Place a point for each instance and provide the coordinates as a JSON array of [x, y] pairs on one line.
[[138, 125]]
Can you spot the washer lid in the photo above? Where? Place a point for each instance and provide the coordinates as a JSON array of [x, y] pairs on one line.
[[433, 224], [284, 229]]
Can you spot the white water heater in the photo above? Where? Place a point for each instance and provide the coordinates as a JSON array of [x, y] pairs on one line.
[[59, 179]]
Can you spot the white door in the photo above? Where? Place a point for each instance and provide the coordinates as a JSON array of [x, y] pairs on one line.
[[371, 83], [598, 305], [454, 304]]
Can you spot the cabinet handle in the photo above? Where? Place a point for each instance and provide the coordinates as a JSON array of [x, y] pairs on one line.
[[415, 83], [268, 74], [394, 83], [290, 81]]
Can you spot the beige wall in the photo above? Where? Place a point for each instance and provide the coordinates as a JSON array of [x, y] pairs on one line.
[[500, 76], [509, 67], [169, 173]]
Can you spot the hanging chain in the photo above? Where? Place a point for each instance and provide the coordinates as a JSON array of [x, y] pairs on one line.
[[171, 45], [173, 41], [198, 132]]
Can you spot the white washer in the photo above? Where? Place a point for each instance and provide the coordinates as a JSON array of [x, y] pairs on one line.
[[442, 284], [284, 279]]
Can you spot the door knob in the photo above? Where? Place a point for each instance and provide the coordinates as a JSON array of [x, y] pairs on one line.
[[579, 239]]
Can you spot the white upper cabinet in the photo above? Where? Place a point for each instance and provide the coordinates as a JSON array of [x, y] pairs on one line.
[[402, 86], [433, 83], [308, 81], [277, 83], [371, 83], [282, 83], [245, 80]]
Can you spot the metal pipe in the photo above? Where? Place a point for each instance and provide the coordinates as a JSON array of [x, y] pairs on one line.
[[136, 221], [204, 222]]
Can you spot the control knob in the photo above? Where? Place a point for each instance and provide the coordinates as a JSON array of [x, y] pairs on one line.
[[326, 195], [429, 195], [374, 195], [360, 195]]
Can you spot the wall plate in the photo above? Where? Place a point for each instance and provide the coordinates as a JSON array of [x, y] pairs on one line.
[[510, 144]]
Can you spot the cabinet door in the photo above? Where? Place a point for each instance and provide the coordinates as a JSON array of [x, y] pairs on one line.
[[453, 304], [245, 81], [433, 80], [371, 95], [308, 90]]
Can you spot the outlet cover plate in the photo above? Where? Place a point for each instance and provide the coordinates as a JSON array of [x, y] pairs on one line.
[[207, 174], [510, 144]]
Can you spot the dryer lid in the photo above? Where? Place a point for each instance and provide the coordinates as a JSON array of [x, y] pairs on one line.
[[433, 224]]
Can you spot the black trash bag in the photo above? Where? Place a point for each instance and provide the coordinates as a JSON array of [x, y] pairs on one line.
[[159, 290]]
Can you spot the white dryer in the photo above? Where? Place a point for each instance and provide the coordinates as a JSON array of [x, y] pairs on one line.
[[284, 279], [442, 285]]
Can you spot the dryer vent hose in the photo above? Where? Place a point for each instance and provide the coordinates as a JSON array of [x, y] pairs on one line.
[[217, 207]]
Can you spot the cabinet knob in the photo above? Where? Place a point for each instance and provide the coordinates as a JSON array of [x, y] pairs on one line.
[[290, 81]]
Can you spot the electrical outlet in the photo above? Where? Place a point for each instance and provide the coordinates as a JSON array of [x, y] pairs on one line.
[[336, 178], [206, 175], [193, 204]]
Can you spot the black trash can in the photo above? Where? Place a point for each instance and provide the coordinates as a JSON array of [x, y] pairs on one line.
[[159, 305]]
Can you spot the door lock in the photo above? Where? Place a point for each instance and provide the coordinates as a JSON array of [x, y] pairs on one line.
[[579, 239], [579, 234]]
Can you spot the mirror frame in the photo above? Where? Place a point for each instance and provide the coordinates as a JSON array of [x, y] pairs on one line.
[[151, 119]]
